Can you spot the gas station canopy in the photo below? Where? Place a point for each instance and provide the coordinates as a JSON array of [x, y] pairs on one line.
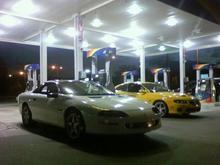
[[121, 23]]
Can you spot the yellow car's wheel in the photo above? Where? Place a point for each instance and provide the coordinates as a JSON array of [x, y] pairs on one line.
[[162, 107]]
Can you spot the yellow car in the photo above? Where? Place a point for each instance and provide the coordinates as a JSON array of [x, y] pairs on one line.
[[165, 101]]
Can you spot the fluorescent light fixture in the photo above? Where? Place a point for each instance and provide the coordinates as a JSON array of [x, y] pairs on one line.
[[109, 38], [96, 23], [134, 30], [171, 21], [218, 38], [162, 48], [134, 9], [71, 32], [2, 32], [87, 71], [139, 51], [112, 45], [9, 21], [188, 44], [25, 7], [137, 44], [51, 39], [85, 44]]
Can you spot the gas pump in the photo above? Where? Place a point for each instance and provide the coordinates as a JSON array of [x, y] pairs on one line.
[[32, 76], [128, 76], [104, 76], [164, 71], [205, 88]]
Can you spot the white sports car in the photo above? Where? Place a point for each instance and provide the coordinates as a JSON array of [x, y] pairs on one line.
[[86, 107]]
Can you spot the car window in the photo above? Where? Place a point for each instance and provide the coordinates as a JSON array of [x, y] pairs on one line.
[[83, 88], [52, 88], [47, 88], [123, 87], [134, 87], [155, 87]]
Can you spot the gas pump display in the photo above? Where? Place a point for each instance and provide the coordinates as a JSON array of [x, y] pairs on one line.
[[205, 88], [32, 76], [104, 76]]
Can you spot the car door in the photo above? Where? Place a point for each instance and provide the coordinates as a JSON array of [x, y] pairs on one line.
[[45, 110], [135, 89]]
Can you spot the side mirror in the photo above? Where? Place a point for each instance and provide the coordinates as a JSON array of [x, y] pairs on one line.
[[52, 95]]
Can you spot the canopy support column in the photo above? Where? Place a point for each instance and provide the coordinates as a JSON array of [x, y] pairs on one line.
[[43, 56]]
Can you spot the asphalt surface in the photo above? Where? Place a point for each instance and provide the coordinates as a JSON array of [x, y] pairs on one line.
[[181, 140]]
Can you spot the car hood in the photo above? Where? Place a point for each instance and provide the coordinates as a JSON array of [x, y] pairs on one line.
[[175, 95], [116, 102]]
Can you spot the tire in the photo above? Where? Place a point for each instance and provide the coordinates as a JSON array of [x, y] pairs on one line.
[[162, 107], [74, 125], [26, 116]]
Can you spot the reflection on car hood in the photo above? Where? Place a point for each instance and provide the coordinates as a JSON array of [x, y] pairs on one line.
[[116, 102], [175, 95]]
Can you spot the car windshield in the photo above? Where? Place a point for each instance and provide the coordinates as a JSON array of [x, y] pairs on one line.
[[155, 87], [83, 88]]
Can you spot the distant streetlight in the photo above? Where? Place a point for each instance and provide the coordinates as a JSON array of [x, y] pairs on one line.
[[10, 75], [53, 67], [56, 68], [21, 73]]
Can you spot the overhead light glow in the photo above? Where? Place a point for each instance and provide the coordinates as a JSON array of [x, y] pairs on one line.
[[134, 30], [162, 48], [96, 23], [2, 32], [51, 39], [25, 7], [9, 21], [218, 38], [171, 21], [87, 71], [109, 38], [71, 32], [137, 44], [188, 44], [112, 45], [138, 52], [134, 9], [85, 44]]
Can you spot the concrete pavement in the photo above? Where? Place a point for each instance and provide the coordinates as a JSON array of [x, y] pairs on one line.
[[181, 140]]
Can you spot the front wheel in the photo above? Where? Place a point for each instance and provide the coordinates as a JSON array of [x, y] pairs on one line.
[[74, 124], [26, 116], [162, 107]]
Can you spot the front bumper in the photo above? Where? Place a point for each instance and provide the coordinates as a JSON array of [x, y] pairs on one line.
[[122, 126]]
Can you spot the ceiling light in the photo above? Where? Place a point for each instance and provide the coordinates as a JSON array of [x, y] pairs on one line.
[[2, 32], [187, 44], [71, 32], [134, 9], [138, 52], [9, 21], [137, 44], [162, 48], [109, 38], [51, 39], [134, 30], [85, 44], [171, 21], [112, 45], [96, 23], [218, 38], [25, 7]]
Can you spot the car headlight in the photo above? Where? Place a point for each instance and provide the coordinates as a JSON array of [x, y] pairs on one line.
[[114, 114]]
